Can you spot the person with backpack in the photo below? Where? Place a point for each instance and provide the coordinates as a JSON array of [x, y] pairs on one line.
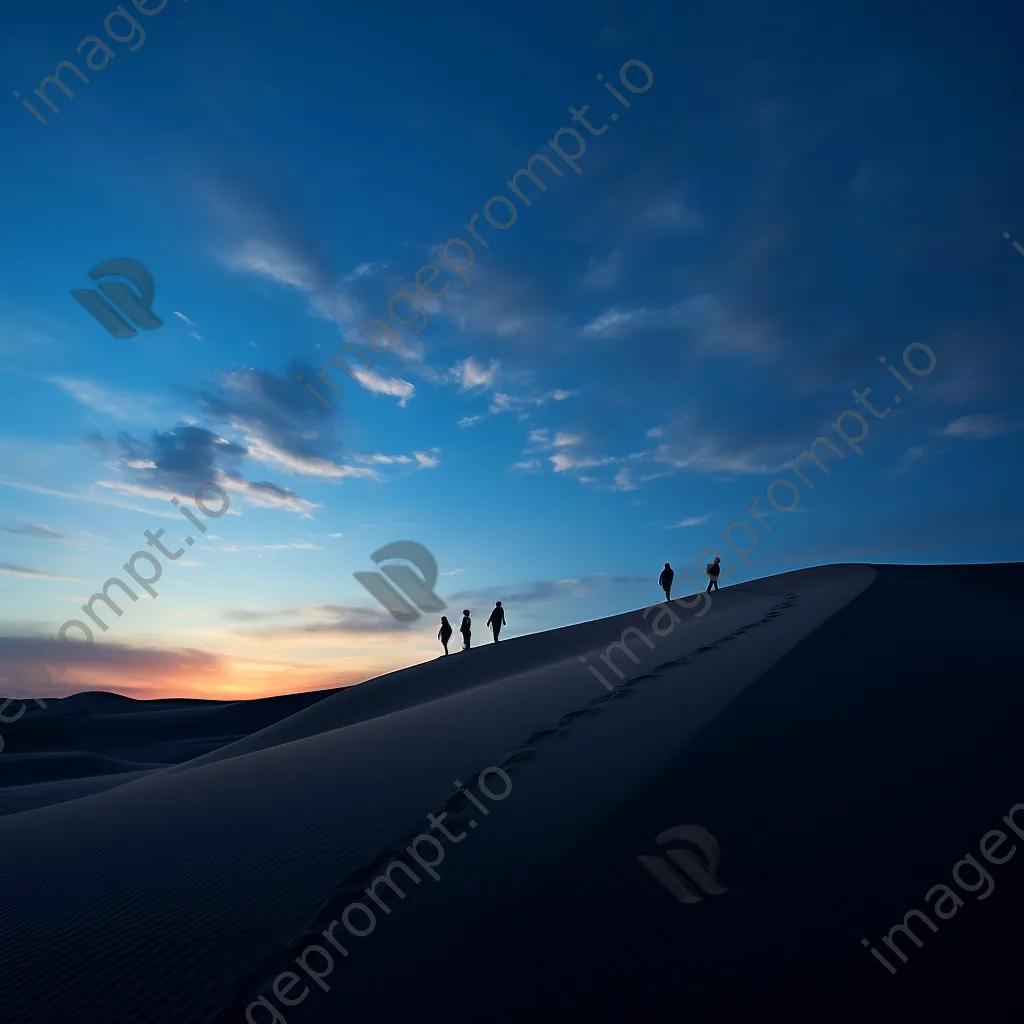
[[497, 619], [444, 634], [713, 569], [466, 629], [665, 581]]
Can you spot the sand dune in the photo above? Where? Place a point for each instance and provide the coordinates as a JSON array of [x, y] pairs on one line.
[[844, 733]]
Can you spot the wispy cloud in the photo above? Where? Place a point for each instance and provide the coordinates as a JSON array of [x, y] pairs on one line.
[[616, 322], [142, 490], [504, 306], [423, 460], [668, 215], [264, 494], [295, 545], [251, 615], [291, 545], [472, 374], [692, 521], [909, 459], [543, 441], [340, 619], [602, 274], [386, 460], [427, 460], [501, 402], [307, 465], [701, 318], [117, 404], [35, 574], [624, 480], [272, 261], [564, 440], [195, 334], [541, 590], [38, 531], [711, 454], [564, 462], [111, 503], [364, 270], [981, 426], [517, 404], [381, 385]]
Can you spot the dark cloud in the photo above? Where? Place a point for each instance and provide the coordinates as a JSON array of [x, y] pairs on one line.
[[242, 615], [32, 530], [183, 457], [265, 203], [268, 495], [275, 490], [534, 593], [331, 618], [852, 224], [187, 457], [132, 663], [11, 569], [192, 452], [277, 409]]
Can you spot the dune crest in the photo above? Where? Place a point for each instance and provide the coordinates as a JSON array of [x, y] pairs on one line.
[[229, 831]]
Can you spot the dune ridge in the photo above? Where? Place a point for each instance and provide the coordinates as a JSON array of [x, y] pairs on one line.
[[178, 892]]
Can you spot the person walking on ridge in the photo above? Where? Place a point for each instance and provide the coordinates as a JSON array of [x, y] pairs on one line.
[[713, 569], [665, 581], [497, 620], [444, 634], [466, 629]]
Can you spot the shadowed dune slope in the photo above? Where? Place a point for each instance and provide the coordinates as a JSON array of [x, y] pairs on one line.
[[53, 742], [845, 732]]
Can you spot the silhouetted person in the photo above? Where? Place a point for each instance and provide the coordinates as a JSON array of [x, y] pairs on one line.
[[713, 569], [466, 629], [444, 634], [497, 619], [665, 581]]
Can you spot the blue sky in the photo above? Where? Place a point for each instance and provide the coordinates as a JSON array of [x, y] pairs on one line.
[[799, 192]]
